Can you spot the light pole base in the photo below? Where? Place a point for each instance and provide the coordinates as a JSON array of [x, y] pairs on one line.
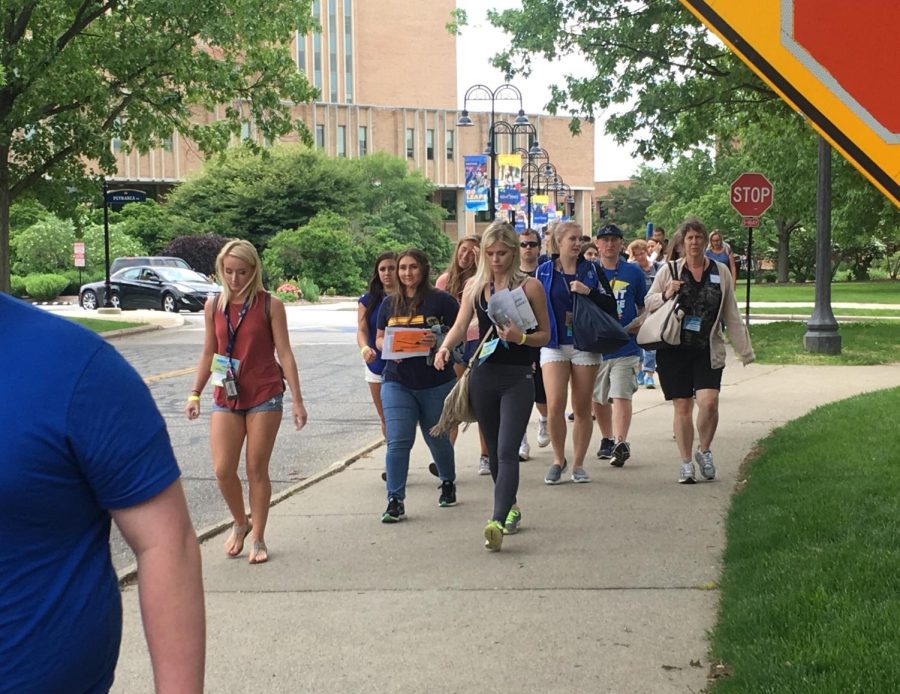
[[822, 341]]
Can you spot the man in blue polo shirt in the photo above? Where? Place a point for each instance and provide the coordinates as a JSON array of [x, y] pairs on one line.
[[81, 441], [616, 379]]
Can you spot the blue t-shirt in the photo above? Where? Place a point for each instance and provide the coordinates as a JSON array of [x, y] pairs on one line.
[[561, 304], [377, 366], [439, 308], [629, 288], [80, 434]]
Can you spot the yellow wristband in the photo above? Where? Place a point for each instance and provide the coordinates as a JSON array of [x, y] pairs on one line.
[[362, 350], [193, 398], [522, 339]]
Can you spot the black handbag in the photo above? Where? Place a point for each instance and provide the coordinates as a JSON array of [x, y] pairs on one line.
[[593, 329]]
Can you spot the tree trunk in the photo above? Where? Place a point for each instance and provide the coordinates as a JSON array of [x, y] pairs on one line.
[[784, 247]]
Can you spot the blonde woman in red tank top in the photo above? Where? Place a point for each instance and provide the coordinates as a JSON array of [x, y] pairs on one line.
[[239, 349]]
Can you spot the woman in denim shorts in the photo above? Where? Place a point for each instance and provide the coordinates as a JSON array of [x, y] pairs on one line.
[[245, 327]]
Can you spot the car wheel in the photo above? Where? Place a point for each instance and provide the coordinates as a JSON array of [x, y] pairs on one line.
[[115, 300], [169, 304], [89, 300]]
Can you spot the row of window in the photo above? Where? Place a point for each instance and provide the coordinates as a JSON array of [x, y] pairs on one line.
[[332, 34], [429, 144]]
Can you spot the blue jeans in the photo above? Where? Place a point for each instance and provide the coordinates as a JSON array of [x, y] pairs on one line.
[[403, 409], [649, 360]]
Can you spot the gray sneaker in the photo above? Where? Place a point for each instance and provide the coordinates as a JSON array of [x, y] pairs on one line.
[[543, 436], [687, 473], [554, 473], [704, 460], [484, 465], [579, 475]]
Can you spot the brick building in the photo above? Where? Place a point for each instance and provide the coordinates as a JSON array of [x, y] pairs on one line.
[[386, 74]]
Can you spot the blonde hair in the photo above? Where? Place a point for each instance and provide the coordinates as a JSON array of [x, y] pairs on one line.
[[245, 251], [498, 232], [559, 230], [456, 276], [636, 245]]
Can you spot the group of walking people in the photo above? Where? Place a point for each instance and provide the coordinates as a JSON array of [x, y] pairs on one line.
[[247, 355], [516, 368]]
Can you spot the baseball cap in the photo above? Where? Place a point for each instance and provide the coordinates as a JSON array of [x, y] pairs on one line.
[[609, 230]]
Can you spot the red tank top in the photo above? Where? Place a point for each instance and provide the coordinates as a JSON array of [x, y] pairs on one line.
[[259, 376]]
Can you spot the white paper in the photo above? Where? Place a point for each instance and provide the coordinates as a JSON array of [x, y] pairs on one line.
[[507, 305], [389, 352]]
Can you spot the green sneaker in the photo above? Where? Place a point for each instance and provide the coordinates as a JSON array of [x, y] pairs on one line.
[[513, 519], [493, 536]]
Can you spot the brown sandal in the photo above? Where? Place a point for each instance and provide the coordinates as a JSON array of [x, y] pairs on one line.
[[240, 533]]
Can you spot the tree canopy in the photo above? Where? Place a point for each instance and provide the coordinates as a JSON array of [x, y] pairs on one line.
[[76, 74]]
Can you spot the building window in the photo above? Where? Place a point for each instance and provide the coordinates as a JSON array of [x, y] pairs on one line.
[[301, 52], [348, 50], [245, 130], [320, 137], [332, 50], [363, 140], [116, 145], [448, 202], [410, 143], [448, 143], [168, 142], [341, 146], [317, 49], [429, 145], [482, 216]]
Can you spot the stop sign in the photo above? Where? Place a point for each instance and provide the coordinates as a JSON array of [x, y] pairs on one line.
[[751, 194]]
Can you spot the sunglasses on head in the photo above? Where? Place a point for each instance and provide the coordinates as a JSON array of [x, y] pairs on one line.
[[529, 244]]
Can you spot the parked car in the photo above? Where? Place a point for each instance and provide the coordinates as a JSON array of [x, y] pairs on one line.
[[145, 286], [135, 260]]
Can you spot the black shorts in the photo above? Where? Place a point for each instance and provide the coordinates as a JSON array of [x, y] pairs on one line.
[[682, 372], [540, 395]]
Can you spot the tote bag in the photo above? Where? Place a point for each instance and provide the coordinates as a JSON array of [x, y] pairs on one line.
[[662, 328], [593, 329], [457, 407]]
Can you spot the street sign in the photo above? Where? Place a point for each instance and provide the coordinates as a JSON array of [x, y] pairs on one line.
[[832, 60], [78, 259], [750, 222], [121, 197], [78, 248], [751, 195]]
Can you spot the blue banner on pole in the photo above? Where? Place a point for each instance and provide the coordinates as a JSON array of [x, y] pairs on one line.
[[476, 183]]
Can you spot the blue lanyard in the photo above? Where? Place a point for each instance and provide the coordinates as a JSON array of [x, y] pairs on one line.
[[232, 331]]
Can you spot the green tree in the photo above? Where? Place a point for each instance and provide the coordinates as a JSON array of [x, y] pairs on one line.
[[44, 247], [120, 244], [76, 74]]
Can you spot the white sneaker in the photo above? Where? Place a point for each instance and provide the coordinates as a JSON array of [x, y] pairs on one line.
[[543, 437], [687, 473], [484, 465], [705, 461], [524, 450]]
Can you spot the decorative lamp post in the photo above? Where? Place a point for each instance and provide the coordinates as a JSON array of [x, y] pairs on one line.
[[535, 156], [505, 92]]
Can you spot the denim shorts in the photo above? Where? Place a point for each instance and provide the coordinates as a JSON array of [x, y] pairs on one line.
[[270, 405]]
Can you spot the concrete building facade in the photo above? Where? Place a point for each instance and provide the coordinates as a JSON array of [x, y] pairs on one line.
[[386, 75]]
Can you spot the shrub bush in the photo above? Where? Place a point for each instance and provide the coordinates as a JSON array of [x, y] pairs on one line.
[[200, 250], [45, 246], [46, 286], [76, 279], [287, 297], [310, 289], [17, 285]]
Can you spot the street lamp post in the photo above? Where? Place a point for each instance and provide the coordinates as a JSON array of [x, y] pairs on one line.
[[481, 92], [533, 154]]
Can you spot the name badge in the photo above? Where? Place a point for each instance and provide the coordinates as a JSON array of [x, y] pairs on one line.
[[715, 279], [487, 349], [220, 366], [691, 323]]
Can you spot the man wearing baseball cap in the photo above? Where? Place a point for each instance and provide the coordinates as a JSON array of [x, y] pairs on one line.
[[616, 379]]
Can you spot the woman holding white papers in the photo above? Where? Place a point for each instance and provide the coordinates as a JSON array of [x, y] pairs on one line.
[[413, 392], [562, 276], [502, 388]]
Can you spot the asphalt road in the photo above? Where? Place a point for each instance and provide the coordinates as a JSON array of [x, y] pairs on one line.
[[342, 418]]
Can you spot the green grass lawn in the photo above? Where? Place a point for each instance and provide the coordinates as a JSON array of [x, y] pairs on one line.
[[101, 326], [788, 311], [810, 591], [861, 343], [884, 292]]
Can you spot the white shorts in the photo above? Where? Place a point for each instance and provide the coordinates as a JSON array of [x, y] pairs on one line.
[[373, 377], [616, 379], [568, 353]]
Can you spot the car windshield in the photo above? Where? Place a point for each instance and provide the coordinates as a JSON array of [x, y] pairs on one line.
[[178, 274]]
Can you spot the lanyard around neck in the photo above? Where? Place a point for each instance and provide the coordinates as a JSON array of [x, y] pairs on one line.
[[232, 331]]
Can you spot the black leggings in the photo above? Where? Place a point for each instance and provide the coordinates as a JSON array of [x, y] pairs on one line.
[[502, 396]]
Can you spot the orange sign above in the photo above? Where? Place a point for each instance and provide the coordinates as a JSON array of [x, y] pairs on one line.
[[832, 60]]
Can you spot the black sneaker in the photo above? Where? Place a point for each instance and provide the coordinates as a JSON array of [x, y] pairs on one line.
[[605, 452], [448, 494], [620, 454], [395, 511]]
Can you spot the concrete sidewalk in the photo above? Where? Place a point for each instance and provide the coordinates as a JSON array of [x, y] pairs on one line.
[[609, 587]]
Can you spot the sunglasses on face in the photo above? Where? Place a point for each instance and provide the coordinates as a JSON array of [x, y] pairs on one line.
[[529, 244]]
